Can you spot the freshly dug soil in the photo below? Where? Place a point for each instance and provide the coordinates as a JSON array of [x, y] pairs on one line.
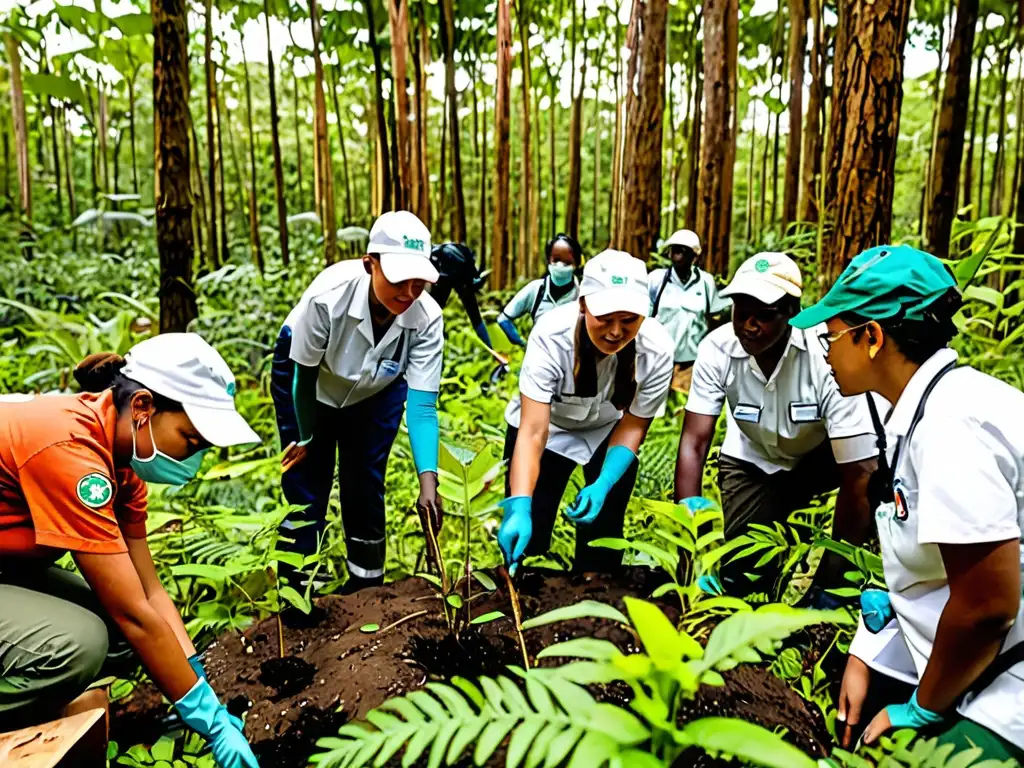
[[334, 672]]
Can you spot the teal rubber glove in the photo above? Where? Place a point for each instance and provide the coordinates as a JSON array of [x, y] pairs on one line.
[[421, 418], [515, 531], [304, 399], [202, 712], [912, 715], [511, 331], [197, 666], [589, 501], [875, 609]]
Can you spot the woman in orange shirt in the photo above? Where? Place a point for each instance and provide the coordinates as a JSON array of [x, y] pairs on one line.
[[73, 473]]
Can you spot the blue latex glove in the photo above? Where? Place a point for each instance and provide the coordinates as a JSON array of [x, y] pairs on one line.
[[710, 585], [481, 331], [589, 501], [912, 714], [202, 712], [197, 666], [421, 418], [875, 609], [510, 330], [515, 531]]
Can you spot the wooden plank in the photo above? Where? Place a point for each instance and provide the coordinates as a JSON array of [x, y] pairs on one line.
[[79, 740]]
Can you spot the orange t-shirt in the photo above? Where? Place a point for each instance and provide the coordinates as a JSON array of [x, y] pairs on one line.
[[59, 488]]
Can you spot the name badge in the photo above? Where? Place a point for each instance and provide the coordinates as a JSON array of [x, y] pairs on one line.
[[389, 368], [804, 413], [748, 413]]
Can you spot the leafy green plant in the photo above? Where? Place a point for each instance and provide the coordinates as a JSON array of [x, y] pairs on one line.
[[903, 749]]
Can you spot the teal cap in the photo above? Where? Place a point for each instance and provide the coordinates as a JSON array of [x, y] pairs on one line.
[[882, 282]]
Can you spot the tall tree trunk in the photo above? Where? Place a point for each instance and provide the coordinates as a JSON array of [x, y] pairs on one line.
[[527, 247], [693, 153], [572, 197], [483, 190], [196, 182], [718, 147], [645, 106], [382, 129], [448, 45], [92, 148], [864, 127], [613, 193], [969, 162], [56, 159], [797, 46], [442, 207], [502, 108], [254, 212], [553, 168], [926, 196], [981, 162], [323, 154], [416, 139], [171, 185], [20, 126], [1017, 141], [211, 136], [131, 128], [421, 100], [596, 120], [763, 184], [398, 198], [69, 163], [812, 137], [298, 141], [222, 118], [949, 145], [996, 195], [104, 164], [333, 84], [398, 21], [750, 173], [775, 165], [275, 141]]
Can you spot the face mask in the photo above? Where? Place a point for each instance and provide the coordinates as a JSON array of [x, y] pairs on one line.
[[161, 468], [561, 274]]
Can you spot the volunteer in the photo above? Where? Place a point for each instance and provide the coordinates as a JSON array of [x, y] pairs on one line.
[[558, 287], [790, 434], [685, 300], [73, 474], [457, 270], [364, 340], [595, 373], [952, 483]]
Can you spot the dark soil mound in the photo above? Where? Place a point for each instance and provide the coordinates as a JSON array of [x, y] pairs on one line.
[[334, 672]]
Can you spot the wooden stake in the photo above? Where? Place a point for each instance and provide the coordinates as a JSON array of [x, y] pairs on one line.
[[516, 613]]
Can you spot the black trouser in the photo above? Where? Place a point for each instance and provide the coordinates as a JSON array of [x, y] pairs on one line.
[[442, 289], [555, 471]]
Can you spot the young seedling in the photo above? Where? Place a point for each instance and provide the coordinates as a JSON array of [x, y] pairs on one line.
[[517, 614]]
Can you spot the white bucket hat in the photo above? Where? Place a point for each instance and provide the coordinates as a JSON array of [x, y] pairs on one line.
[[767, 277], [613, 281], [184, 368], [403, 242]]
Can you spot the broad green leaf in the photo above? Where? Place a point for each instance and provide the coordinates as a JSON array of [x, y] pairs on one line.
[[746, 741], [485, 580], [197, 571], [665, 645], [369, 628], [618, 723], [593, 750], [54, 86], [585, 609], [493, 734], [132, 24], [488, 617], [163, 749], [521, 740], [582, 648]]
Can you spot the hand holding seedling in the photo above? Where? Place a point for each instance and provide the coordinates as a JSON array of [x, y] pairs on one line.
[[515, 531], [292, 455], [429, 501], [851, 699]]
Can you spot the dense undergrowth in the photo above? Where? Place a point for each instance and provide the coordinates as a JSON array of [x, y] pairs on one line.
[[215, 540]]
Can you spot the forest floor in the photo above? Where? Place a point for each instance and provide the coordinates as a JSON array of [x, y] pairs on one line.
[[334, 672]]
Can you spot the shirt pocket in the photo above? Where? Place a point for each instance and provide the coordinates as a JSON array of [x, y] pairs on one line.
[[571, 407]]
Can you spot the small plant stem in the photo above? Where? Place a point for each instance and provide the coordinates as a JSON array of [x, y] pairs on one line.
[[280, 636], [435, 551], [517, 614], [402, 620]]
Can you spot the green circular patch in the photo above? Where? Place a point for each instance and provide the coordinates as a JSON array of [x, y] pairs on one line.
[[95, 490], [762, 265]]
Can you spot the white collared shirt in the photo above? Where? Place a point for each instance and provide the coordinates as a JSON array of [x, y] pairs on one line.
[[960, 480], [580, 424], [524, 300], [684, 307], [332, 328], [773, 422]]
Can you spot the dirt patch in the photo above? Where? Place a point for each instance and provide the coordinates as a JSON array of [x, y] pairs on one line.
[[344, 672]]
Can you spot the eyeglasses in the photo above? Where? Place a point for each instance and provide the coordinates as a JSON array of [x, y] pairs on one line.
[[828, 339]]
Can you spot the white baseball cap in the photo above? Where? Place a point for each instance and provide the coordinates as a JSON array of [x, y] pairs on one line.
[[403, 242], [684, 237], [767, 277], [184, 368], [613, 281]]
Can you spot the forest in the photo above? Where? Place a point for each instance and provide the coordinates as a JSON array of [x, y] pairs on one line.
[[192, 166]]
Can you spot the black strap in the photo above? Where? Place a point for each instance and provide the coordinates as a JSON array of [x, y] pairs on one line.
[[661, 290], [919, 413], [539, 298]]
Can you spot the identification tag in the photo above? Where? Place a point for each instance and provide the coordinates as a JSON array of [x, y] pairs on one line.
[[804, 413], [748, 413], [389, 368]]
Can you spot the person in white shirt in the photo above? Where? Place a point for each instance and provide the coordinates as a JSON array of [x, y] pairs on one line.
[[557, 288], [594, 375], [951, 499], [685, 300], [363, 345], [790, 436]]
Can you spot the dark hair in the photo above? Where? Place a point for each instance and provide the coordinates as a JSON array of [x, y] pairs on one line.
[[584, 369], [918, 339], [561, 237], [102, 371], [455, 260]]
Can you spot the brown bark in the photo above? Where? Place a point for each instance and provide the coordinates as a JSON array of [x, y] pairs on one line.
[[693, 153], [926, 183], [333, 84], [398, 198], [275, 141], [325, 179], [421, 118], [797, 45], [645, 106], [969, 161], [398, 21], [981, 162], [613, 193], [572, 197], [448, 45], [20, 125], [416, 139], [1017, 142], [868, 94], [996, 194], [104, 130], [949, 145], [254, 211], [171, 184], [69, 162], [810, 173], [750, 175], [527, 247], [718, 150], [196, 181], [442, 207], [552, 164], [222, 204], [384, 179], [596, 120], [298, 140], [211, 136], [131, 124], [502, 98]]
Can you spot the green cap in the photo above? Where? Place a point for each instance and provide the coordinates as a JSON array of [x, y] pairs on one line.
[[882, 282]]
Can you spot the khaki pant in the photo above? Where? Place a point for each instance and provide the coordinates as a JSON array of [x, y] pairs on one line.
[[53, 643], [682, 377]]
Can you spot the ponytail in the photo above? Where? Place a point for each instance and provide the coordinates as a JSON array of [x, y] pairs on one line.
[[584, 369], [102, 371]]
